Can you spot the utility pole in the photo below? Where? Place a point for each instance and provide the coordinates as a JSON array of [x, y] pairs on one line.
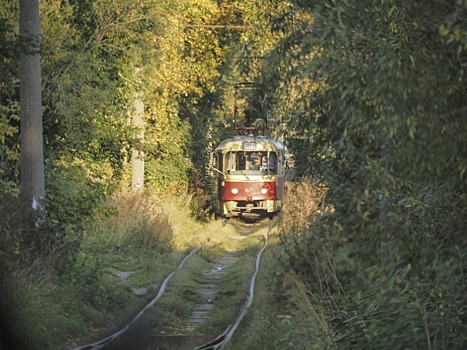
[[32, 149], [137, 156]]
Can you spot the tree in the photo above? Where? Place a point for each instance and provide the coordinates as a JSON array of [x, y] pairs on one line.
[[378, 114], [9, 106]]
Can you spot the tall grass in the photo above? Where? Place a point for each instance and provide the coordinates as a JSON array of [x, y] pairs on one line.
[[59, 303], [131, 217], [305, 254], [177, 206], [302, 205], [334, 285], [287, 313]]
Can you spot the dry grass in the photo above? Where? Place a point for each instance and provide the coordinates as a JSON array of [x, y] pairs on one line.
[[177, 206], [130, 216], [302, 205], [310, 297]]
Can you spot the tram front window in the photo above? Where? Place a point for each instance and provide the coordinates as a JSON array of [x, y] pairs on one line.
[[251, 162]]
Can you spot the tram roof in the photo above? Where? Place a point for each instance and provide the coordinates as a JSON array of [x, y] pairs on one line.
[[251, 143]]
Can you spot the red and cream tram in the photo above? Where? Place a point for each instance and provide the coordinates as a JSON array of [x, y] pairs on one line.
[[250, 176]]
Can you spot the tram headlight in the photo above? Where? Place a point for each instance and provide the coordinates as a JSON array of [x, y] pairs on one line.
[[234, 190], [264, 190]]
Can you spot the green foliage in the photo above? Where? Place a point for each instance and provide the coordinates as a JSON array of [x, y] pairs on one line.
[[8, 150], [30, 298], [9, 105], [377, 111], [52, 301], [96, 58], [10, 231], [75, 191], [372, 92], [86, 106]]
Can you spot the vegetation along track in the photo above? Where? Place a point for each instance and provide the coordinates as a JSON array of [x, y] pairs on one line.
[[203, 300]]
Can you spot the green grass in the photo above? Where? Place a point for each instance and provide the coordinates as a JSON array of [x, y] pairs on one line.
[[57, 306], [275, 321], [86, 300]]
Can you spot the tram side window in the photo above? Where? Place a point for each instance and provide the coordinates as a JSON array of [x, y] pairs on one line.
[[230, 161], [271, 162], [218, 161]]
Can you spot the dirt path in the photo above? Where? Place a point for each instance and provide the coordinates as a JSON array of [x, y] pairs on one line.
[[208, 293]]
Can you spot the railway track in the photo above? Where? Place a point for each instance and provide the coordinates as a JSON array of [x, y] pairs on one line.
[[140, 332]]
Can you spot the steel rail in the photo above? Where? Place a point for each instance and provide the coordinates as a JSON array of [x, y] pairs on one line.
[[225, 337], [103, 342]]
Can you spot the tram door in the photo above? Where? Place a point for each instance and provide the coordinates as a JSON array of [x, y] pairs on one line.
[[218, 164]]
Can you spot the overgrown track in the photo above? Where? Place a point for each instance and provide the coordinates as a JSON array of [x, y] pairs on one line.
[[225, 337], [101, 343], [121, 339]]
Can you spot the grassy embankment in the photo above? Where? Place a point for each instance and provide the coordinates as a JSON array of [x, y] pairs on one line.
[[133, 242], [282, 316]]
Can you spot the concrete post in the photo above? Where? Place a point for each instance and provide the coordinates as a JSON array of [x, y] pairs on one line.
[[32, 149], [137, 156]]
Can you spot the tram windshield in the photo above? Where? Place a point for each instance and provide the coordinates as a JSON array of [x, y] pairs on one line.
[[251, 162]]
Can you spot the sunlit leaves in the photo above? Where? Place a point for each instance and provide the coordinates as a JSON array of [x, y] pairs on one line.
[[454, 29], [384, 127], [9, 104]]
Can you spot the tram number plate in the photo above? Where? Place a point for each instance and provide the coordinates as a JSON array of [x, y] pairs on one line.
[[248, 189]]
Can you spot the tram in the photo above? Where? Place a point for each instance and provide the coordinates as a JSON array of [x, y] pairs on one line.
[[249, 176]]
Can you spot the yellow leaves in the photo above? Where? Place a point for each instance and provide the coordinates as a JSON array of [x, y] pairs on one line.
[[452, 33], [446, 308], [7, 131], [442, 30]]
